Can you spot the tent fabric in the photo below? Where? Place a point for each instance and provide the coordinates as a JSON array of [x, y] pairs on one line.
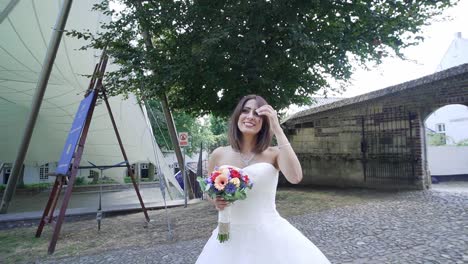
[[25, 31]]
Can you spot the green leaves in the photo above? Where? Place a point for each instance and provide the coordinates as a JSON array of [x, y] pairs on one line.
[[240, 196], [207, 54]]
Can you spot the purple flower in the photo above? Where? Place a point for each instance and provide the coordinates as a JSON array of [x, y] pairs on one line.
[[242, 185], [208, 180], [213, 189], [230, 188]]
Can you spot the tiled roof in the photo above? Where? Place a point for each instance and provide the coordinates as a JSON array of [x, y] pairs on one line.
[[455, 72]]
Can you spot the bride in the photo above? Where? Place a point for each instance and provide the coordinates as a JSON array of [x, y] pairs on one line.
[[258, 234]]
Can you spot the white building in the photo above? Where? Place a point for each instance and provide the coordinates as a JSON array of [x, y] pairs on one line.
[[171, 159], [451, 121]]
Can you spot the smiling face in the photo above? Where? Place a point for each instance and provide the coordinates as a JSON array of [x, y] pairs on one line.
[[250, 122], [246, 122]]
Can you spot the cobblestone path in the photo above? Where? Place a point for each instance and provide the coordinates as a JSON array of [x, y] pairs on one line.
[[410, 227]]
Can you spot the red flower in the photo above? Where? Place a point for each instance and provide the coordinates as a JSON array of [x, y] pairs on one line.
[[246, 179], [234, 173], [215, 174]]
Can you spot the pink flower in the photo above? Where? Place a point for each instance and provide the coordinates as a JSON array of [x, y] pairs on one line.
[[246, 179], [220, 182], [214, 175]]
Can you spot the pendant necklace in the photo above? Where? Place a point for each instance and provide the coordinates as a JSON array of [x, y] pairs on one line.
[[246, 161]]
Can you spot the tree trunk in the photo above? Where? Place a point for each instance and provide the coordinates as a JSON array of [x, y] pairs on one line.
[[165, 105], [174, 139]]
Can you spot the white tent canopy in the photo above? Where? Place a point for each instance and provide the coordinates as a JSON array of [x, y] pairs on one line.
[[25, 30]]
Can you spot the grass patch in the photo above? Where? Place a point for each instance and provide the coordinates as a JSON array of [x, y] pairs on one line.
[[20, 245]]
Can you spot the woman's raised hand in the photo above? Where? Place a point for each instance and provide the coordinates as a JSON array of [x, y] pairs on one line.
[[272, 115]]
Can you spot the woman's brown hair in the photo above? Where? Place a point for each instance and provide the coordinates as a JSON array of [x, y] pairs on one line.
[[264, 136]]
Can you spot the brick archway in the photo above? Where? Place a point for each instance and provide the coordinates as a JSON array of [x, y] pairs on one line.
[[376, 139]]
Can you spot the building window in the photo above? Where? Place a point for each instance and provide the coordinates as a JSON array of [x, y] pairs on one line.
[[440, 127], [43, 171], [144, 171]]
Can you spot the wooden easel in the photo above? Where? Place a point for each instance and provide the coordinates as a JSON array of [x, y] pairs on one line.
[[73, 150]]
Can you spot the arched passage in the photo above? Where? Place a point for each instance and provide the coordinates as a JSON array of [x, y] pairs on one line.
[[446, 143]]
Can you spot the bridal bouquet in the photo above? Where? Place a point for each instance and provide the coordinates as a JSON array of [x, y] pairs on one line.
[[231, 184]]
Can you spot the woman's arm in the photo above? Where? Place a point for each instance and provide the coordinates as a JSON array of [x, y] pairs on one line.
[[286, 158]]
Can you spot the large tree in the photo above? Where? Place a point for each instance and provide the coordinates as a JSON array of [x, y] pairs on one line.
[[204, 54]]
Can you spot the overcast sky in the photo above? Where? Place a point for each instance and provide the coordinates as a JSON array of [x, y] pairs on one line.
[[422, 59]]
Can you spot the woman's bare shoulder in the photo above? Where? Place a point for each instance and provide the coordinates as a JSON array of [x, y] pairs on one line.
[[220, 151]]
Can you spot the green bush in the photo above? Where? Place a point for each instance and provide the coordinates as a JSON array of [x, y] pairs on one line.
[[32, 186], [463, 142], [80, 181], [436, 139], [129, 180], [38, 186], [104, 180]]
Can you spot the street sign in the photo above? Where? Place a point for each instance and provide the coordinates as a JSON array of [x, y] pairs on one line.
[[183, 139]]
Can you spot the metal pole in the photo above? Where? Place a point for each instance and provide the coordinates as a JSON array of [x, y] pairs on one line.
[[1, 168], [6, 10], [99, 211], [199, 170], [184, 178], [36, 103], [172, 130]]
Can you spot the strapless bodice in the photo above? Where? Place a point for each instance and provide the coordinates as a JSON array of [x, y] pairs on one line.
[[258, 234], [260, 204]]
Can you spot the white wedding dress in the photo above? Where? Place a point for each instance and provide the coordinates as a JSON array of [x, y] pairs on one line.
[[258, 233]]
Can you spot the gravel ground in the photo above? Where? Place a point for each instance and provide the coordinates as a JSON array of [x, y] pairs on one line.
[[403, 227]]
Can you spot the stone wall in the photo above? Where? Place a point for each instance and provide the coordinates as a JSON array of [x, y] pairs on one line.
[[376, 139]]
